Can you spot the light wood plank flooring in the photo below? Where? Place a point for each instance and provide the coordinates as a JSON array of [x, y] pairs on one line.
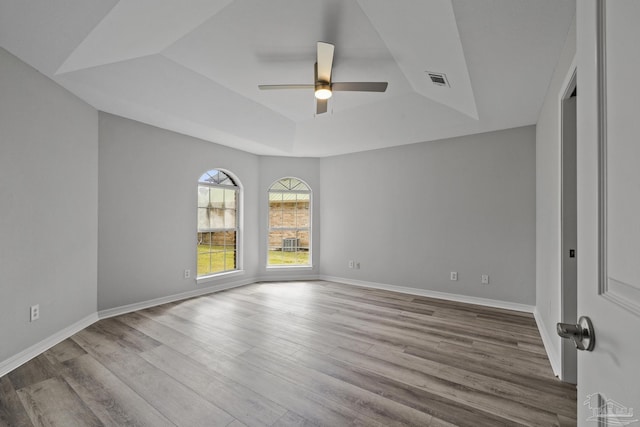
[[295, 354]]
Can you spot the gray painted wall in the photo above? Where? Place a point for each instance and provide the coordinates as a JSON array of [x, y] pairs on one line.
[[409, 215], [49, 202], [548, 213], [412, 214], [271, 170], [147, 208]]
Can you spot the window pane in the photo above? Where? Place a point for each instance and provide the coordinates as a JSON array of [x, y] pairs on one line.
[[275, 196], [275, 213], [204, 263], [224, 261], [302, 213], [230, 199], [275, 257], [217, 177], [217, 254], [206, 177], [203, 219], [230, 239], [218, 241], [275, 248], [290, 184], [303, 240], [296, 184], [217, 218], [275, 240], [217, 262], [216, 197], [203, 196], [280, 185], [223, 251], [230, 259], [302, 258], [229, 218], [204, 241]]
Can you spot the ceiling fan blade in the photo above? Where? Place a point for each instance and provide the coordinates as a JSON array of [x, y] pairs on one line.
[[321, 106], [325, 61], [360, 86], [272, 87]]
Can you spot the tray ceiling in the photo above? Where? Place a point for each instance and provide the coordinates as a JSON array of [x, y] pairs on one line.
[[194, 66]]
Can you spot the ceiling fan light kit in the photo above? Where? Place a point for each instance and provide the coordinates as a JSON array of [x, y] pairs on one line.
[[323, 91], [323, 86]]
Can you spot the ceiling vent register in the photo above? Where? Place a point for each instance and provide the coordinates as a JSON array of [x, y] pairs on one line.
[[439, 79]]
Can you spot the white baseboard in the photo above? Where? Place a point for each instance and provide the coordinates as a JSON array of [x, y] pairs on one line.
[[24, 356], [111, 312], [552, 355], [435, 294], [287, 278]]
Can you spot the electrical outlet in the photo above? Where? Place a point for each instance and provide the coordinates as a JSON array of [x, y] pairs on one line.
[[484, 279], [187, 273], [34, 312], [454, 275], [351, 263]]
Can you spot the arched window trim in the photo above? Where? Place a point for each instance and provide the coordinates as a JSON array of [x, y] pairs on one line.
[[299, 186], [223, 180]]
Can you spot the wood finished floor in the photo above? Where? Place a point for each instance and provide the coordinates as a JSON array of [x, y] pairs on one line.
[[295, 354]]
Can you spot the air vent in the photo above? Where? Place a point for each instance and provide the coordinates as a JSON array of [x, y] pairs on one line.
[[439, 79]]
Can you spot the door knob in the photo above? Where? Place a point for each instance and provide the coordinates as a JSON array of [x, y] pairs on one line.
[[581, 333]]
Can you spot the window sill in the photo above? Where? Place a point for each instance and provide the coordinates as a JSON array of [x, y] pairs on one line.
[[219, 276]]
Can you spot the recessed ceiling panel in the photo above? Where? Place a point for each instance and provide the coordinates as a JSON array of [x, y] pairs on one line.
[[44, 33], [254, 42], [158, 91], [423, 36], [139, 28]]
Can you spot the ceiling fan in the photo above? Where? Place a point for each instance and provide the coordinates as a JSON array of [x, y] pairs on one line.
[[323, 86]]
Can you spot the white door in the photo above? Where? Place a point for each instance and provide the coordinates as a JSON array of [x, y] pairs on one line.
[[608, 163]]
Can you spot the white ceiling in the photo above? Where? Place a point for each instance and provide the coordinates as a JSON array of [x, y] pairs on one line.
[[193, 66]]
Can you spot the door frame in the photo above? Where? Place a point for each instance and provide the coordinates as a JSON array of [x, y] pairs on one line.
[[568, 269]]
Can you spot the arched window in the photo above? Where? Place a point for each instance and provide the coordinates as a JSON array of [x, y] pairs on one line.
[[218, 196], [289, 223]]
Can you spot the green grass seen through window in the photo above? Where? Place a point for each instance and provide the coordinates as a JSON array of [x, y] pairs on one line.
[[288, 258], [215, 259], [212, 260]]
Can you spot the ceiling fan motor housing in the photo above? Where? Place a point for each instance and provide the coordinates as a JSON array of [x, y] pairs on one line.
[[322, 90]]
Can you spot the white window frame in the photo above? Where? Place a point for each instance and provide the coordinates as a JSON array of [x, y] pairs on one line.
[[238, 225], [308, 191]]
